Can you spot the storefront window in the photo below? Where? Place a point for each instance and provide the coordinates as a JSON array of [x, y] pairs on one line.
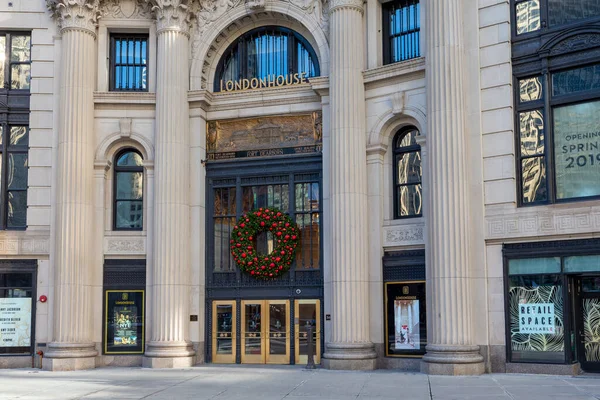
[[16, 308], [124, 333], [535, 305], [405, 319]]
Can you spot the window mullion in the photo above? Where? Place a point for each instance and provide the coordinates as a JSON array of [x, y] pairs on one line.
[[3, 177]]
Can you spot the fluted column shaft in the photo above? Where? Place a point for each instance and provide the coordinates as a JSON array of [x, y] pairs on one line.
[[450, 331], [72, 346], [350, 345], [169, 344]]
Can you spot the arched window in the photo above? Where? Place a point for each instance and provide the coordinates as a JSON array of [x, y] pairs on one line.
[[408, 191], [128, 207], [267, 52]]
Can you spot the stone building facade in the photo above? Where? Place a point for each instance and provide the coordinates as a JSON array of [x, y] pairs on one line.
[[438, 160]]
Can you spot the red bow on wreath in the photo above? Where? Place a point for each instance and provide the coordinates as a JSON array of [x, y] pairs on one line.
[[285, 237]]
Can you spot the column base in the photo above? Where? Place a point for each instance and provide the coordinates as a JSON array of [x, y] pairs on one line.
[[452, 360], [69, 356], [168, 355], [350, 356]]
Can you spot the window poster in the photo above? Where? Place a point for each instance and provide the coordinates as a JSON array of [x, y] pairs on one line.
[[15, 322], [536, 318], [406, 333], [577, 150], [124, 321]]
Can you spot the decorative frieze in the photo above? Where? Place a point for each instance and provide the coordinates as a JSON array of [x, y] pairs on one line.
[[75, 14], [403, 235], [126, 9], [543, 223], [125, 245]]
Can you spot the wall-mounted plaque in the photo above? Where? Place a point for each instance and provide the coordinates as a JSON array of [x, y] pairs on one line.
[[124, 322], [15, 322], [264, 136]]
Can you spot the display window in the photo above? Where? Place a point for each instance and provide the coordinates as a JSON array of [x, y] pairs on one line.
[[124, 322], [17, 308], [405, 319]]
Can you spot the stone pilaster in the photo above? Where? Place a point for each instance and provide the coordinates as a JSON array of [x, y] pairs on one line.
[[72, 346], [451, 350], [169, 346], [350, 346]]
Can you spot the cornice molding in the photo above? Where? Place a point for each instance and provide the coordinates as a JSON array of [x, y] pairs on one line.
[[75, 14]]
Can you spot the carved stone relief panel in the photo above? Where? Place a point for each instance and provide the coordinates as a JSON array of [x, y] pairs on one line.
[[404, 235]]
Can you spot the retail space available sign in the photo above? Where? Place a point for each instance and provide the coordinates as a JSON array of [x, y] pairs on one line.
[[15, 322], [536, 318]]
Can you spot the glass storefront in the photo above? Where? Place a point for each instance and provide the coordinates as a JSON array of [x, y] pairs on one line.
[[553, 302]]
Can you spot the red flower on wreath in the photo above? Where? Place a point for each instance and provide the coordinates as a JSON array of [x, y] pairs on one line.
[[282, 256]]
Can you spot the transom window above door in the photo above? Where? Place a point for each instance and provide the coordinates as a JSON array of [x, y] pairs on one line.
[[265, 57]]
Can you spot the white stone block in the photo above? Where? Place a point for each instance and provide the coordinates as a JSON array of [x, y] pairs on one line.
[[494, 55], [494, 261], [501, 167], [40, 157], [41, 119], [42, 69], [501, 191], [496, 97], [41, 36], [38, 196], [498, 143], [39, 176], [496, 75], [494, 14], [44, 102], [497, 328], [42, 52], [40, 137], [497, 120], [42, 85], [38, 215]]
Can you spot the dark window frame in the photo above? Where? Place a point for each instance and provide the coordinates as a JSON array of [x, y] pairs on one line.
[[387, 10], [398, 154], [120, 169], [544, 22], [6, 150], [114, 37], [534, 55], [6, 85], [237, 52]]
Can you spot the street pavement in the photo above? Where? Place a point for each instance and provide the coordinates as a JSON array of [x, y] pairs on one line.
[[285, 382]]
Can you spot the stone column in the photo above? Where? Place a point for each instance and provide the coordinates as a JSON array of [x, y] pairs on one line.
[[72, 346], [350, 346], [451, 350], [169, 346]]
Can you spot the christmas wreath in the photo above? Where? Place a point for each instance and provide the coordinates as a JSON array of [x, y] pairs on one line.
[[285, 238]]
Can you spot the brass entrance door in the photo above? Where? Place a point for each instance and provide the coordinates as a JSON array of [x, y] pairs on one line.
[[265, 332], [223, 332], [308, 313]]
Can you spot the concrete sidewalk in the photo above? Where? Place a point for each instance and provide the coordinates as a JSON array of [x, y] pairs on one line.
[[285, 382]]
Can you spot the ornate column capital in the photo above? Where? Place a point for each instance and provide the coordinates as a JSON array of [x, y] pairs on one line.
[[173, 15], [335, 5], [75, 14]]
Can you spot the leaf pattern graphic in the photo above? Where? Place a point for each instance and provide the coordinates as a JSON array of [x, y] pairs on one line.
[[591, 329], [533, 294]]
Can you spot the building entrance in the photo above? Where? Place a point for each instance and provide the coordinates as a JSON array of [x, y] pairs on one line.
[[264, 321], [588, 323]]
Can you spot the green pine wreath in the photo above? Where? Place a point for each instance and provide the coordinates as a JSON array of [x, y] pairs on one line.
[[285, 236]]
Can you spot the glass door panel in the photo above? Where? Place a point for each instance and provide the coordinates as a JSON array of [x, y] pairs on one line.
[[223, 332], [308, 313], [278, 332], [253, 346], [589, 332]]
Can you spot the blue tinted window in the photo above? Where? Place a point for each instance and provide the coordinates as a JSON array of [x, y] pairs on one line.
[[129, 62], [401, 30]]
